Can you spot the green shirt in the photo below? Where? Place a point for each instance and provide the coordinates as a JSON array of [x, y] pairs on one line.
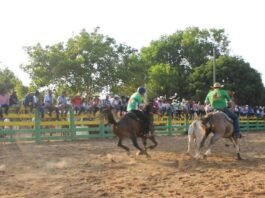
[[218, 98], [134, 101]]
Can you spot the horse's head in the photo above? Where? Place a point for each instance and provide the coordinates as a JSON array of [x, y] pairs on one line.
[[148, 108], [106, 113]]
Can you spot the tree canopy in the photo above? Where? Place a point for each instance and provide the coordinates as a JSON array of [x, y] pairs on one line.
[[236, 75], [180, 62], [9, 82], [88, 62]]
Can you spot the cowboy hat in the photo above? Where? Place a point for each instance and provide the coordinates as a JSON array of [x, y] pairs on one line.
[[217, 85]]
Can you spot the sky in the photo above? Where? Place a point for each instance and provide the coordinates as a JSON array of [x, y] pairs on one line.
[[132, 22]]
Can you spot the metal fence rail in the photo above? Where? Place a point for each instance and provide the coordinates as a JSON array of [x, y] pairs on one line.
[[30, 127]]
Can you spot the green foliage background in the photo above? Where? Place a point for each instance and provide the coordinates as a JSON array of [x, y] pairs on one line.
[[182, 63]]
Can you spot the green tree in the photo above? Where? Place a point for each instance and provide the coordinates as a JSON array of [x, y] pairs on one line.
[[88, 62], [184, 51], [235, 74], [9, 82], [161, 80]]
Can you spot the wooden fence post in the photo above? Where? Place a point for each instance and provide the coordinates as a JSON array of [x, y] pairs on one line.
[[37, 126], [186, 124], [169, 124], [72, 125]]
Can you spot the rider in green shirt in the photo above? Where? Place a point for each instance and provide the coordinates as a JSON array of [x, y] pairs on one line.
[[219, 99], [137, 100]]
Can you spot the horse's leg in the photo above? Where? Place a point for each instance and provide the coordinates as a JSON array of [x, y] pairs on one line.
[[144, 142], [135, 144], [189, 143], [199, 144], [122, 146], [152, 138], [235, 142], [215, 137]]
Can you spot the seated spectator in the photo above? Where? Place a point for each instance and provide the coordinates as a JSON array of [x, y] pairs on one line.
[[124, 104], [62, 104], [116, 104], [4, 103], [155, 105], [95, 105], [48, 104], [14, 102], [37, 103], [106, 102], [88, 104], [77, 103], [28, 102]]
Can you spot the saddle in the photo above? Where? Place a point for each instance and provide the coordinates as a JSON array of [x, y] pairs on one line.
[[226, 116], [141, 117], [133, 116]]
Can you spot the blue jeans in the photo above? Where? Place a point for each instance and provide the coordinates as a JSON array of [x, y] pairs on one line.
[[235, 119]]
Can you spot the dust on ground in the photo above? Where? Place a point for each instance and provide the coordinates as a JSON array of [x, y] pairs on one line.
[[98, 168]]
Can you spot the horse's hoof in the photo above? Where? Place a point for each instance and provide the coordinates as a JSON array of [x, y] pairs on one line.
[[238, 157], [140, 153], [208, 152]]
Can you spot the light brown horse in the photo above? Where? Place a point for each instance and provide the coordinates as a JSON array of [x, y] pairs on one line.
[[217, 123], [131, 127]]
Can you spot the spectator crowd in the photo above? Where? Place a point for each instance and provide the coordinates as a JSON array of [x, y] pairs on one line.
[[61, 105]]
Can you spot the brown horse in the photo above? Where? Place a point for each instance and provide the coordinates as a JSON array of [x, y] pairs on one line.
[[131, 127], [217, 123]]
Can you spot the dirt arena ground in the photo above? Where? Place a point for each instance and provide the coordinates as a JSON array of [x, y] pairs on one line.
[[98, 168]]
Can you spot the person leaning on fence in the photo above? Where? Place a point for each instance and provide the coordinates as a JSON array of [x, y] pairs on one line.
[[219, 99], [134, 104]]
